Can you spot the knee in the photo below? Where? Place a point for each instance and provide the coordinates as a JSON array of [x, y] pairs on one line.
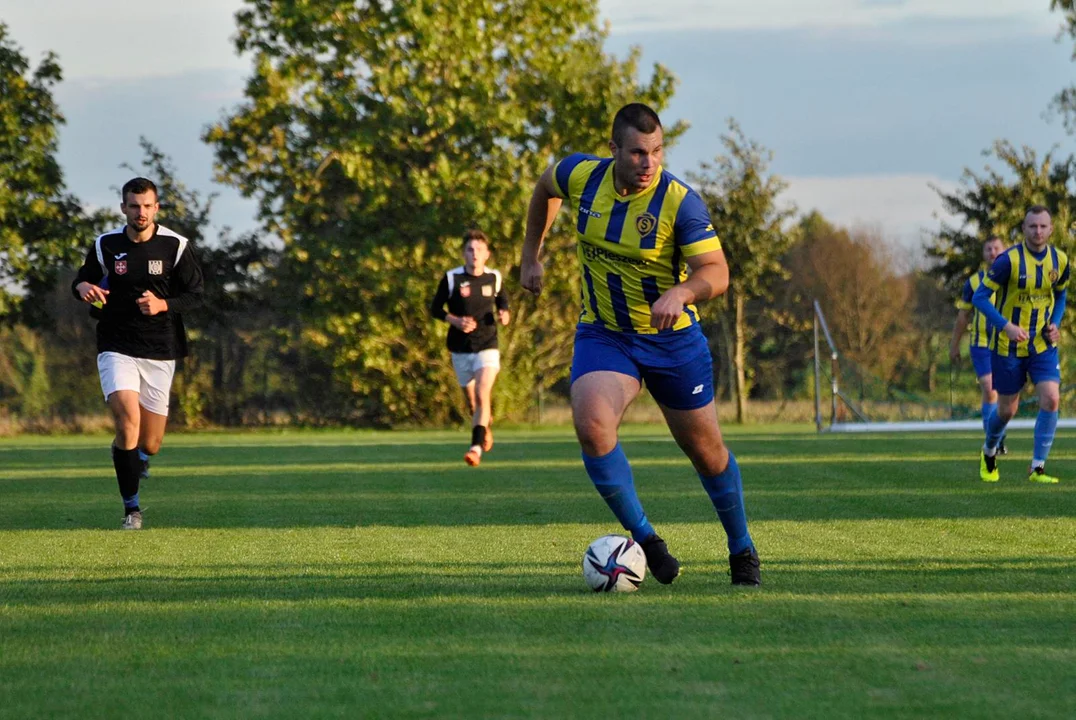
[[151, 446], [1050, 403], [709, 460], [595, 438]]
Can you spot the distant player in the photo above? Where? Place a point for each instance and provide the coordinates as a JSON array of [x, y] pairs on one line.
[[1028, 282], [476, 303], [142, 276], [979, 346], [640, 229]]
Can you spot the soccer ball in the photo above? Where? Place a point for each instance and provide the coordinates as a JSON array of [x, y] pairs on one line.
[[614, 563]]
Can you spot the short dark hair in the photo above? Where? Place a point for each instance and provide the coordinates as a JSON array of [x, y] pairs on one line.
[[993, 238], [635, 115], [138, 186], [474, 234], [1036, 209]]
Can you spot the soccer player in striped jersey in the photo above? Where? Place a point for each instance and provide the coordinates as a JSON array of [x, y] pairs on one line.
[[476, 303], [1028, 282], [979, 346], [142, 276], [640, 230]]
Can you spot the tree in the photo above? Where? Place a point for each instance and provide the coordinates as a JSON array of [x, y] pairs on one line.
[[375, 132], [742, 199], [994, 203], [42, 228], [1064, 102]]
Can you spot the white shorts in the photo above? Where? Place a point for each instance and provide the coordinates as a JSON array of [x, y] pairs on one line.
[[467, 365], [151, 379]]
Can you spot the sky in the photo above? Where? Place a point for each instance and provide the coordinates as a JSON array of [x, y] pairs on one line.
[[867, 105]]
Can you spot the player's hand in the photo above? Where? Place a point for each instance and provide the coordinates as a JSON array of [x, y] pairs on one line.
[[954, 354], [503, 316], [91, 293], [1052, 333], [530, 276], [150, 304], [669, 307], [1015, 332], [466, 324]]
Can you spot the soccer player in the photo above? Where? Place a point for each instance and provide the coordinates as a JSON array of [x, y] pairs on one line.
[[979, 348], [142, 276], [1029, 283], [476, 303], [639, 231]]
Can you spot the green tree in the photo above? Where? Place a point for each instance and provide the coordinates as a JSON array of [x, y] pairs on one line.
[[374, 133], [743, 200], [42, 228], [994, 202]]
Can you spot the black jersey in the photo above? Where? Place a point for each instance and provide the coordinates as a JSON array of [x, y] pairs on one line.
[[165, 265], [476, 296]]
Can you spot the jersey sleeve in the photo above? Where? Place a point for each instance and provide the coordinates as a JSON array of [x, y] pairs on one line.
[[562, 173], [501, 298], [964, 301], [187, 286], [90, 271], [1063, 281], [437, 305], [693, 230], [999, 273]]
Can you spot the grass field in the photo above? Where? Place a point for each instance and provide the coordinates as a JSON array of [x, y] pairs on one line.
[[374, 575]]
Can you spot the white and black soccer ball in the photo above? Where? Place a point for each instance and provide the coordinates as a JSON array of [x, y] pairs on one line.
[[614, 563]]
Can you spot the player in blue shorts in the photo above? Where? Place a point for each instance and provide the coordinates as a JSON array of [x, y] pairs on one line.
[[980, 335], [639, 231], [1028, 282]]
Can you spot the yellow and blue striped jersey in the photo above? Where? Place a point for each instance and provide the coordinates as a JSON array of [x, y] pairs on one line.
[[1024, 287], [632, 248], [981, 332]]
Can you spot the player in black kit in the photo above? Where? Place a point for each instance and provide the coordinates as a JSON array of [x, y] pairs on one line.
[[476, 303], [141, 276]]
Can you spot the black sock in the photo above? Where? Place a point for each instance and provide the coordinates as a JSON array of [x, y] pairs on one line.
[[478, 435], [128, 467]]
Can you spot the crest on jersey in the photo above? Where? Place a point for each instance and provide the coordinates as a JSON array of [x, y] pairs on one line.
[[465, 289], [120, 268], [1054, 275], [487, 291], [156, 267], [645, 223]]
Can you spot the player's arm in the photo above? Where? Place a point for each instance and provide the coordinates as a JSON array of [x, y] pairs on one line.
[[501, 302], [983, 302], [544, 205], [963, 316], [1053, 329], [437, 309], [86, 285], [709, 278]]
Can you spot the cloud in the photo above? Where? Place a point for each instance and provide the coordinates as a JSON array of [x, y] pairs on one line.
[[902, 207]]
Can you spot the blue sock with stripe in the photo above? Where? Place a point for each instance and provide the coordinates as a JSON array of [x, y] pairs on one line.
[[611, 475], [726, 493], [988, 410], [995, 430], [1045, 428]]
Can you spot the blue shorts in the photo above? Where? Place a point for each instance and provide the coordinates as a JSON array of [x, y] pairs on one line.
[[676, 367], [1010, 373], [981, 360]]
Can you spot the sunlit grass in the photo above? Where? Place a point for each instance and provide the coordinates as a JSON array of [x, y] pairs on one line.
[[372, 574]]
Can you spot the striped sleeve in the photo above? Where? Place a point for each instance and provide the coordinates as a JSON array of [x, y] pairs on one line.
[[964, 301], [562, 172], [693, 230]]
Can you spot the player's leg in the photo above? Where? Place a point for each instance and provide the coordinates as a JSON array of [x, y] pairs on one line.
[[465, 365], [154, 392], [685, 395], [481, 435], [981, 361], [468, 397], [1008, 376], [120, 385], [1046, 374]]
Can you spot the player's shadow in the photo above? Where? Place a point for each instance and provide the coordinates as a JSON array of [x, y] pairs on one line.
[[523, 482], [909, 581]]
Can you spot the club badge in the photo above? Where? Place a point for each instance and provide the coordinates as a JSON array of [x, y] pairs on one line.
[[156, 267], [120, 267], [465, 290]]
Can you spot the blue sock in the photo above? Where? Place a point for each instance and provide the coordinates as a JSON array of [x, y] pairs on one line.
[[988, 410], [611, 475], [131, 503], [995, 430], [1045, 427], [142, 456], [726, 493]]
